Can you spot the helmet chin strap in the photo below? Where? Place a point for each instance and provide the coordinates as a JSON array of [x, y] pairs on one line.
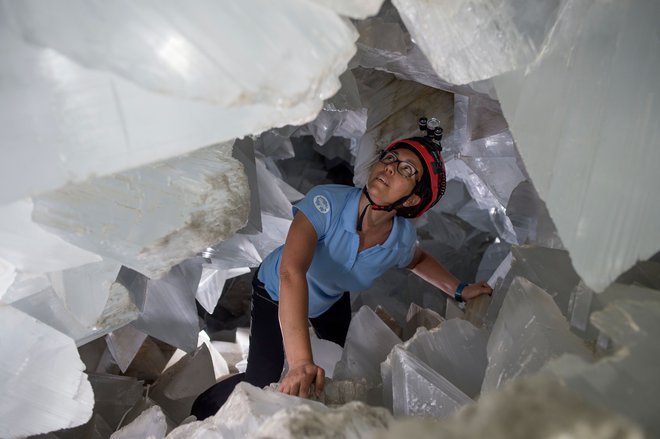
[[375, 206]]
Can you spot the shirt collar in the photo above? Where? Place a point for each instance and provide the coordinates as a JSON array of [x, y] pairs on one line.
[[350, 215]]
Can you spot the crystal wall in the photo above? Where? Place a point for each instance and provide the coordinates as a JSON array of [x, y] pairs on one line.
[[151, 155]]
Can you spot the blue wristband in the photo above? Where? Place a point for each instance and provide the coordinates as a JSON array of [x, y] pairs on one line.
[[458, 295]]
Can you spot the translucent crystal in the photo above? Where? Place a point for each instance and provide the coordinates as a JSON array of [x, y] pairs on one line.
[[194, 373], [444, 228], [47, 306], [491, 259], [30, 248], [470, 41], [274, 200], [276, 143], [625, 381], [211, 284], [159, 86], [114, 396], [167, 305], [595, 118], [161, 214], [456, 350], [418, 390], [580, 306], [85, 290], [124, 344], [368, 342], [495, 160], [484, 211], [32, 400], [385, 45], [419, 317], [529, 331], [549, 269], [559, 412], [530, 218], [150, 424], [326, 354]]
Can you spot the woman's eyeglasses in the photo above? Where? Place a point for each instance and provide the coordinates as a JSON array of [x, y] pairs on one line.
[[406, 169]]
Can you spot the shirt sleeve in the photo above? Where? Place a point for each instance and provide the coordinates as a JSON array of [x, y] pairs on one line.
[[318, 206]]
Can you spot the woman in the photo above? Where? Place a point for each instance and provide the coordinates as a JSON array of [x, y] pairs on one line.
[[341, 239]]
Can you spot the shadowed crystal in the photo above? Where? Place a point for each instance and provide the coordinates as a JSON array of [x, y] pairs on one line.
[[368, 342], [530, 330], [419, 390]]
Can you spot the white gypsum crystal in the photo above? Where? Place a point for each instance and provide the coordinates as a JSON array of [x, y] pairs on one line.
[[151, 424], [85, 289], [418, 390], [153, 217], [159, 80], [124, 344], [456, 350], [167, 305], [368, 342], [530, 331], [467, 41], [585, 119], [30, 248], [507, 414], [627, 380], [42, 386]]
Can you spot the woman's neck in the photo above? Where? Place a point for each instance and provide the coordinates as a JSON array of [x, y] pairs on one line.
[[374, 220]]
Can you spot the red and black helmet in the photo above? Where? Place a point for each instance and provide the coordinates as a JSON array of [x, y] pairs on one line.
[[434, 181]]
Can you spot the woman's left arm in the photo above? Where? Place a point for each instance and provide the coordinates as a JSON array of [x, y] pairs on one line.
[[432, 271]]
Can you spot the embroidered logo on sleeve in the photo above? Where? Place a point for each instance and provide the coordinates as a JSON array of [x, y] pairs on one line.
[[321, 203]]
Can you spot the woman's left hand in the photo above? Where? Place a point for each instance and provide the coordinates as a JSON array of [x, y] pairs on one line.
[[475, 290]]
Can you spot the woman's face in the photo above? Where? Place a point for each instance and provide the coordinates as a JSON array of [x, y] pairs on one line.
[[386, 185]]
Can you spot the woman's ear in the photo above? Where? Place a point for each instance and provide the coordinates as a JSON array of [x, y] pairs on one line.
[[412, 200]]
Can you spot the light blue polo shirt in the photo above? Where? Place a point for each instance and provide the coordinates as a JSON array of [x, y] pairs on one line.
[[337, 266]]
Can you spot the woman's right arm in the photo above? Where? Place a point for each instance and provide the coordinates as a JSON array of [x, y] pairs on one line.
[[293, 309]]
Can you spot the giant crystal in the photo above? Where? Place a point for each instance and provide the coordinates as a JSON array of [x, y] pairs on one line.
[[153, 217], [36, 296], [626, 381], [530, 330], [419, 390], [368, 342], [27, 247], [34, 400], [467, 41], [585, 117], [548, 268], [535, 407], [455, 350], [158, 80], [167, 305]]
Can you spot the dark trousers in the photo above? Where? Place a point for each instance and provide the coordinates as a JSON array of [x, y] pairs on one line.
[[266, 355]]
